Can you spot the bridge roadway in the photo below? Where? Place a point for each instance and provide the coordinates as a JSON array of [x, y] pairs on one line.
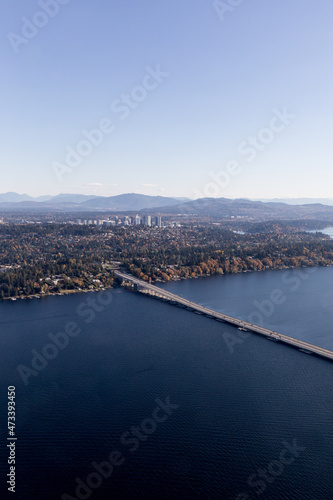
[[270, 334]]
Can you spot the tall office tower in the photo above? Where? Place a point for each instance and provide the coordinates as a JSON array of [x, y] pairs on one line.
[[147, 220], [137, 220]]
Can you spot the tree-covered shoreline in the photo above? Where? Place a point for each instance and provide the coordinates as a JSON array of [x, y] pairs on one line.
[[62, 258]]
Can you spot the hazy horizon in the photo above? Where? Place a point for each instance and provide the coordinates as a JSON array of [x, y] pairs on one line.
[[277, 200]]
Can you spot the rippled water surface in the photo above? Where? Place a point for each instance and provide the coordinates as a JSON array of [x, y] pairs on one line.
[[233, 410]]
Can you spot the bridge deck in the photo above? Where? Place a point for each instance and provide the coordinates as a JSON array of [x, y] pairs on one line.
[[159, 292]]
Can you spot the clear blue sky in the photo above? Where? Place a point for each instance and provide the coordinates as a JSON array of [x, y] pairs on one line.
[[227, 74]]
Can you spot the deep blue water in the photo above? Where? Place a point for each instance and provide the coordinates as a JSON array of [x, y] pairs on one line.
[[234, 409], [304, 311]]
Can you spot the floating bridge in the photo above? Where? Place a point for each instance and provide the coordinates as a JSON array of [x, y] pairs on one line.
[[160, 293]]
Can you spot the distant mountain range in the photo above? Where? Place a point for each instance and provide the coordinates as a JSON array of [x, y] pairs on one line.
[[60, 198], [222, 208], [123, 202], [218, 208], [297, 201], [130, 202]]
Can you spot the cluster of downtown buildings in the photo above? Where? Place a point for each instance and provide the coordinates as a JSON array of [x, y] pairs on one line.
[[146, 220]]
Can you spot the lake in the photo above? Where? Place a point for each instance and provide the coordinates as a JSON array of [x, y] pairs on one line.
[[306, 311], [142, 399], [327, 230]]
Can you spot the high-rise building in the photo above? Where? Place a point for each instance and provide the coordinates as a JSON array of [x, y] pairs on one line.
[[158, 221], [147, 220], [137, 220]]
